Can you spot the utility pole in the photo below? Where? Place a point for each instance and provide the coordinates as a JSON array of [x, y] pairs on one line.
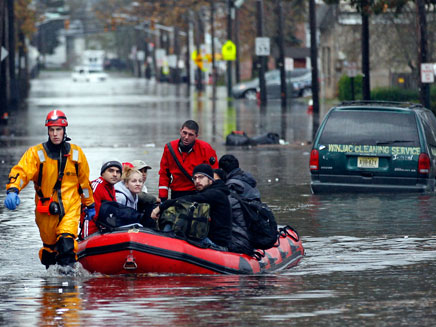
[[4, 76], [281, 63], [2, 21], [366, 87], [199, 74], [238, 58], [261, 59], [314, 64], [177, 54], [424, 88], [237, 5], [188, 53], [147, 51], [230, 9], [137, 64], [12, 75], [212, 32]]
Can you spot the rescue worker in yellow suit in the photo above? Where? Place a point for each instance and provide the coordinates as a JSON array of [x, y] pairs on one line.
[[60, 173]]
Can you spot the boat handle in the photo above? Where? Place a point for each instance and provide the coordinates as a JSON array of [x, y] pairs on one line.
[[130, 263]]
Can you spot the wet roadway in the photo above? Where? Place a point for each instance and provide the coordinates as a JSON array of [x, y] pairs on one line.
[[370, 259]]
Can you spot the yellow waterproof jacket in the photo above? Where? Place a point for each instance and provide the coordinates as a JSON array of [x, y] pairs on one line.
[[27, 170]]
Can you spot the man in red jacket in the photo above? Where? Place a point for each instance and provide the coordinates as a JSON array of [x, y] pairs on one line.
[[103, 189], [189, 152]]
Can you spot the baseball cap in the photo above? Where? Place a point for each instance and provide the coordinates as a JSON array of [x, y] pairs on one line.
[[139, 164]]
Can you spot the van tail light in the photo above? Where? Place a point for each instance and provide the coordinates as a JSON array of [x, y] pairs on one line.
[[424, 164], [314, 160]]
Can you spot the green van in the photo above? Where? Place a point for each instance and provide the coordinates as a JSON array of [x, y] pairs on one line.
[[375, 146]]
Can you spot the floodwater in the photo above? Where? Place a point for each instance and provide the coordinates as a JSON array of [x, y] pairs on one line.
[[370, 259]]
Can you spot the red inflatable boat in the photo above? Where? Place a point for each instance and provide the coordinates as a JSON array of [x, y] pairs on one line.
[[134, 250]]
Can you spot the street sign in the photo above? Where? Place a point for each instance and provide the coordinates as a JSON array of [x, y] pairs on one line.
[[229, 51], [289, 64], [427, 73], [352, 69], [140, 55], [161, 57], [194, 55], [262, 46], [172, 61], [197, 58], [4, 53], [238, 3]]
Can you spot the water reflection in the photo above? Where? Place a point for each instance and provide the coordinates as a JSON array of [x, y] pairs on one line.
[[363, 215], [60, 305], [224, 297], [292, 123]]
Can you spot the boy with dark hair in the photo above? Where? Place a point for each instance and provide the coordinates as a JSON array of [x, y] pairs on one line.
[[103, 190]]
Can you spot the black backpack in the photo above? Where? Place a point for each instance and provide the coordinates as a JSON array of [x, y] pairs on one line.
[[237, 138], [113, 214], [262, 226], [268, 138]]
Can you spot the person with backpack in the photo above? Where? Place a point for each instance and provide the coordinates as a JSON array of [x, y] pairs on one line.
[[213, 192], [60, 174], [239, 181], [243, 185], [253, 223], [103, 190]]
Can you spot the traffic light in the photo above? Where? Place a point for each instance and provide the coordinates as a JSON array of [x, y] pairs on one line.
[[66, 24]]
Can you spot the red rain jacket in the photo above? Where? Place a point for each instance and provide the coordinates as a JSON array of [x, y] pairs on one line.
[[170, 176]]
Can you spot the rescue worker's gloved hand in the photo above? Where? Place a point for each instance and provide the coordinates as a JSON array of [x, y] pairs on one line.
[[12, 199], [90, 212]]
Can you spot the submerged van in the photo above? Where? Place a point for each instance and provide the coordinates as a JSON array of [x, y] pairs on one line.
[[375, 146]]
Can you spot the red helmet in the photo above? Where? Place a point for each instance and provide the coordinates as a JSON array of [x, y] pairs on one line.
[[56, 118]]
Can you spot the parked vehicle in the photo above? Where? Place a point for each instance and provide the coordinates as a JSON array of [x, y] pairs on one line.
[[86, 74], [115, 64], [298, 82], [247, 89], [375, 146]]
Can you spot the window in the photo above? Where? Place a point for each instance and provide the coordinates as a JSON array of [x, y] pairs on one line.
[[364, 127], [429, 123]]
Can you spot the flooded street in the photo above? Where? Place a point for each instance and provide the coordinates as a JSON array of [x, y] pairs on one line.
[[370, 259]]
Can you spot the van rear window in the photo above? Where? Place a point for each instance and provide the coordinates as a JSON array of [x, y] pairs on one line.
[[370, 128]]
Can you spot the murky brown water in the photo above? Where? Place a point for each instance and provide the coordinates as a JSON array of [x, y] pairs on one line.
[[370, 259]]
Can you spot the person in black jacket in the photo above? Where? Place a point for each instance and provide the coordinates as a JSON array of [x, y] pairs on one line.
[[240, 181], [215, 194], [243, 185]]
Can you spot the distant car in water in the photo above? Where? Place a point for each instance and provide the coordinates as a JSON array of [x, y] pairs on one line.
[[298, 83], [115, 64], [375, 146], [86, 74]]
